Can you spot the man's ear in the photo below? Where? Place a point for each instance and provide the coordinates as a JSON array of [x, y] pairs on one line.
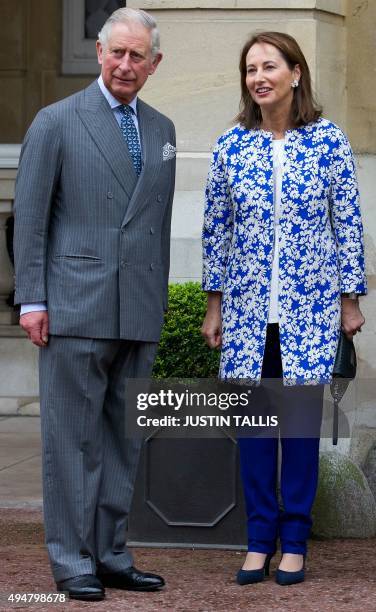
[[156, 61], [99, 48]]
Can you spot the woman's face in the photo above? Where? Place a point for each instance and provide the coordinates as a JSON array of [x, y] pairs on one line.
[[269, 78]]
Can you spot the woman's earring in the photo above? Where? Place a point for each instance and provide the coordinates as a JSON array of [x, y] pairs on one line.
[[295, 83]]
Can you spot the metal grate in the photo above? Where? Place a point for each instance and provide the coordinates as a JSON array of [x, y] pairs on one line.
[[96, 13]]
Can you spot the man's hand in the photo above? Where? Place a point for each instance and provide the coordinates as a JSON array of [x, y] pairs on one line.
[[212, 326], [352, 318], [35, 325]]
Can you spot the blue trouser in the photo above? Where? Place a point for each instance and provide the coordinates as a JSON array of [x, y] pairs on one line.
[[299, 411]]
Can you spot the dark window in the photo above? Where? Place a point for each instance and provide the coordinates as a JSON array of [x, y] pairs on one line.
[[96, 13]]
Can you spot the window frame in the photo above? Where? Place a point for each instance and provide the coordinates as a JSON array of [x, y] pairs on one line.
[[79, 55]]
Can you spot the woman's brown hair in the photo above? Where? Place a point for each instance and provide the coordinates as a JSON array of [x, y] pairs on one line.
[[304, 108]]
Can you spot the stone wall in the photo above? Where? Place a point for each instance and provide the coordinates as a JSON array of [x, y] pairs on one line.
[[201, 40], [361, 82], [197, 84]]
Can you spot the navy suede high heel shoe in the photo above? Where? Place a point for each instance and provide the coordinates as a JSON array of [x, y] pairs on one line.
[[284, 578], [252, 576]]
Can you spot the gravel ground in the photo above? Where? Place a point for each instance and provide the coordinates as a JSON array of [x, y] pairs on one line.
[[341, 576]]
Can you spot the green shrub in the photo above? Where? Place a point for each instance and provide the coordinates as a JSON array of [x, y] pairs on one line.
[[182, 351]]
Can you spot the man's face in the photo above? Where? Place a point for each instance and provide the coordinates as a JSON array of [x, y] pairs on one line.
[[126, 60]]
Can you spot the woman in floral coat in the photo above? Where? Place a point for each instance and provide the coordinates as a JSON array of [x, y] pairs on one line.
[[283, 268]]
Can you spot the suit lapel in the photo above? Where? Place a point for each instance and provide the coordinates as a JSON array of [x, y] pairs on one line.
[[152, 159], [102, 126]]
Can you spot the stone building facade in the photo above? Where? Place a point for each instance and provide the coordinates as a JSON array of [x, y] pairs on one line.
[[46, 53]]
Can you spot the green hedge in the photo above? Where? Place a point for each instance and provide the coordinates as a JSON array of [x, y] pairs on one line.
[[182, 351]]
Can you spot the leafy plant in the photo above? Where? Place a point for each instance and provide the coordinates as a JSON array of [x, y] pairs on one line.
[[182, 351]]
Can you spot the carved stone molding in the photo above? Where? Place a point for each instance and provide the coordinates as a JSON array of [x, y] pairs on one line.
[[9, 156], [330, 6]]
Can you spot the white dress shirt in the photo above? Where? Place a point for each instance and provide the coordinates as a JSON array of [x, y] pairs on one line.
[[115, 106], [278, 166]]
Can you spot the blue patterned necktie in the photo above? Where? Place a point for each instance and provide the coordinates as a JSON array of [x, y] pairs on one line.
[[131, 136]]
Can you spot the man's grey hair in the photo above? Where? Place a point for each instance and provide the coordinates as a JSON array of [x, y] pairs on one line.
[[129, 15]]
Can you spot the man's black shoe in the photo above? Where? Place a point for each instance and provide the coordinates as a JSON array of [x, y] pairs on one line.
[[86, 587], [132, 579]]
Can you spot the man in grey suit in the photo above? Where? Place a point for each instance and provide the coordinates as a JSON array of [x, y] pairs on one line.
[[92, 233]]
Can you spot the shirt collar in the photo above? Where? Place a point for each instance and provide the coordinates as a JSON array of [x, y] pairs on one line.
[[113, 102]]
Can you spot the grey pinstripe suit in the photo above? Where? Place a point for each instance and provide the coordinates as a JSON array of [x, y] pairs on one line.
[[92, 240]]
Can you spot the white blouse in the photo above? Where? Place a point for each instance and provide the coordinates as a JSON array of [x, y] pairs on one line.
[[278, 167]]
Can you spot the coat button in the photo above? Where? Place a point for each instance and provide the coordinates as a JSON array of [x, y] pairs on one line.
[[152, 231], [122, 263], [110, 195], [151, 266], [123, 230], [159, 198]]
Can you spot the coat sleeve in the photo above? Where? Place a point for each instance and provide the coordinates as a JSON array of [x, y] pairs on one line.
[[347, 220], [218, 224], [166, 224], [39, 169]]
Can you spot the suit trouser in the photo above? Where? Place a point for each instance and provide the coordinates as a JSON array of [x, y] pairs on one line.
[[89, 466], [299, 412]]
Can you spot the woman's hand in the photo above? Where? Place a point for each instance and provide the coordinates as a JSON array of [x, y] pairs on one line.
[[351, 316], [212, 326]]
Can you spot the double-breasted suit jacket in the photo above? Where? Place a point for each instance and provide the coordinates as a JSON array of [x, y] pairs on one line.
[[92, 238], [320, 248]]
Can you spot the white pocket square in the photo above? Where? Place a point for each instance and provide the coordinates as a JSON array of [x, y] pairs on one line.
[[169, 151]]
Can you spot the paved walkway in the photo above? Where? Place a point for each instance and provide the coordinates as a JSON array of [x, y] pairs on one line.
[[341, 575], [20, 462]]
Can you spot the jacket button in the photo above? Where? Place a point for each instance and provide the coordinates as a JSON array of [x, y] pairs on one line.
[[159, 198], [110, 195], [122, 263], [151, 266], [123, 230], [152, 231]]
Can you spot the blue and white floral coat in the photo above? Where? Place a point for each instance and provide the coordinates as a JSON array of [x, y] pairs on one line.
[[320, 250]]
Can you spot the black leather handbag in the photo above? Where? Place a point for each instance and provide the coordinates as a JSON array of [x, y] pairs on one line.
[[344, 371]]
